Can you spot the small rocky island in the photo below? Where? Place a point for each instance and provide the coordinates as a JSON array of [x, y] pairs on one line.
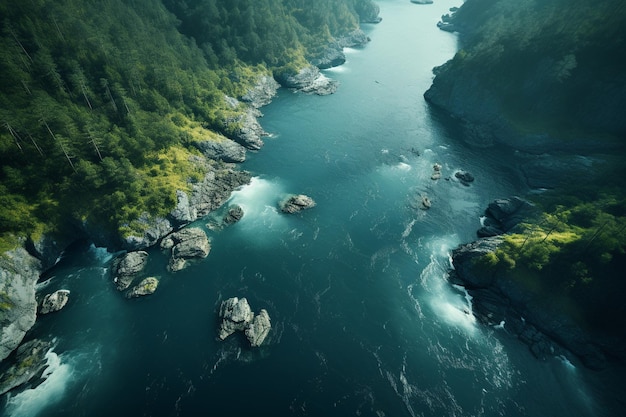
[[186, 244], [296, 203], [236, 316]]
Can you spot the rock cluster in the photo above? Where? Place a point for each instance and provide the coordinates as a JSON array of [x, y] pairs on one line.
[[127, 266], [296, 203], [436, 172], [186, 244], [54, 302], [236, 316], [333, 55]]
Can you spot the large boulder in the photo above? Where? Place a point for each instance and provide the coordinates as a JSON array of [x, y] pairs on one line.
[[236, 316], [234, 214], [146, 287], [186, 244], [153, 229], [296, 203], [19, 272], [127, 266], [54, 302]]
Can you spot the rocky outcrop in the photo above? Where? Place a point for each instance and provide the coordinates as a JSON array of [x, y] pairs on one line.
[[499, 298], [215, 190], [308, 80], [296, 203], [262, 93], [125, 267], [54, 302], [234, 214], [29, 362], [223, 150], [154, 228], [502, 215], [333, 55], [236, 316], [146, 287], [19, 272], [186, 244], [368, 12], [244, 128]]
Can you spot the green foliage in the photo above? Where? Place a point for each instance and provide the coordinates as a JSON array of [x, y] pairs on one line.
[[554, 66], [100, 101]]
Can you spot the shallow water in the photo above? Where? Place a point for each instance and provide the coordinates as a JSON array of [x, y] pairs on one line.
[[364, 321]]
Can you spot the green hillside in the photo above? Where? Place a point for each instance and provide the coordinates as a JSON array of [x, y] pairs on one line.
[[100, 101]]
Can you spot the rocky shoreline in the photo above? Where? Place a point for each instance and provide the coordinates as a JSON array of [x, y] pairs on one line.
[[500, 301], [21, 268]]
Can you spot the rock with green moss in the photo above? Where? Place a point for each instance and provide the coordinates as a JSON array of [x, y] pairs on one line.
[[28, 362], [19, 272], [146, 287]]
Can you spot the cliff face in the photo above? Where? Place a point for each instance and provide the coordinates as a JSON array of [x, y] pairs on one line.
[[19, 272], [531, 74]]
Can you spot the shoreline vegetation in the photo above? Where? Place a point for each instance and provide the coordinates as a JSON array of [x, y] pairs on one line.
[[125, 124], [546, 80]]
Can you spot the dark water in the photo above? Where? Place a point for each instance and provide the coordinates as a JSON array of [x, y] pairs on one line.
[[364, 322]]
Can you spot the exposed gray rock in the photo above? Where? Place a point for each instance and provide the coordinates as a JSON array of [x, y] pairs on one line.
[[262, 93], [224, 150], [188, 243], [236, 316], [155, 228], [296, 203], [215, 189], [466, 262], [309, 80], [258, 329], [19, 272], [234, 214], [245, 128], [146, 287], [183, 213], [369, 13], [54, 302], [425, 203], [29, 362], [126, 267]]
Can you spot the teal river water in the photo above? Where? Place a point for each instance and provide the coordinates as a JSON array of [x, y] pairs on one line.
[[364, 321]]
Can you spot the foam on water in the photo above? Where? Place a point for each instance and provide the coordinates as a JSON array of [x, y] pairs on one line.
[[259, 201]]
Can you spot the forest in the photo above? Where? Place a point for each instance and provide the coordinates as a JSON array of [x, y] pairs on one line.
[[100, 101], [557, 69]]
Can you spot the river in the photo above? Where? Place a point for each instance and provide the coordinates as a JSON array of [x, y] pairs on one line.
[[364, 321]]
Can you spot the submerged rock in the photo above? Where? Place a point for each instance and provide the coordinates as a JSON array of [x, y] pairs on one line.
[[464, 176], [54, 302], [127, 266], [146, 287], [188, 243], [236, 316], [297, 203]]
